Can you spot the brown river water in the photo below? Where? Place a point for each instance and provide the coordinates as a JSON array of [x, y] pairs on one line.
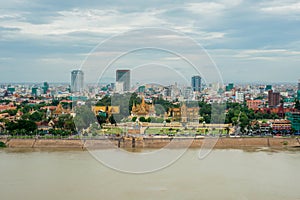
[[53, 174]]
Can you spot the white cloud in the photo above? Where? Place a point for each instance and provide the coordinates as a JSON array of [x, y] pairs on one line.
[[281, 7], [205, 8], [90, 20], [224, 26], [268, 53], [78, 25], [5, 58], [211, 8]]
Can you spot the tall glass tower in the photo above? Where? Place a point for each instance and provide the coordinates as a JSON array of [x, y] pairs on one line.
[[77, 81], [196, 83], [123, 76]]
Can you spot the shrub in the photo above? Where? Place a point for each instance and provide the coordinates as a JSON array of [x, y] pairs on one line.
[[2, 145]]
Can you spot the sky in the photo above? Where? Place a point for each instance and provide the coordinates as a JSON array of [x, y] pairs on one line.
[[246, 41]]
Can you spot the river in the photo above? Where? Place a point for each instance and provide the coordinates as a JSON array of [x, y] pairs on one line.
[[225, 174]]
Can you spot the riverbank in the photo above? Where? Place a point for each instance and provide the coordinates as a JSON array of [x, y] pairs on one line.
[[151, 143]]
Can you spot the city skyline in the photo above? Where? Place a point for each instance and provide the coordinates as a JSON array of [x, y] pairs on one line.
[[243, 46], [150, 99]]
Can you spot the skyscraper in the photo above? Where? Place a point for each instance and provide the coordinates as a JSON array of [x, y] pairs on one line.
[[45, 87], [273, 98], [268, 87], [77, 81], [196, 83], [239, 96], [298, 91], [123, 76]]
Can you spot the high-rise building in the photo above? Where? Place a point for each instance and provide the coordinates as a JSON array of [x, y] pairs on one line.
[[167, 92], [229, 87], [35, 91], [294, 117], [187, 93], [123, 76], [11, 90], [45, 88], [142, 89], [268, 87], [273, 98], [298, 91], [77, 81], [196, 83], [119, 87], [239, 96]]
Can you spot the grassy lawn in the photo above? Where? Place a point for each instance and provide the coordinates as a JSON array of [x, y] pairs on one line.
[[113, 130], [151, 131]]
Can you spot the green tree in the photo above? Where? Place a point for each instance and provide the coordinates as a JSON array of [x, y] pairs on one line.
[[84, 117], [142, 119], [218, 113], [27, 125], [148, 119], [105, 101], [133, 119], [25, 116], [10, 112], [26, 108], [163, 105], [244, 121], [112, 120], [2, 144], [55, 102], [36, 116], [69, 125], [100, 118]]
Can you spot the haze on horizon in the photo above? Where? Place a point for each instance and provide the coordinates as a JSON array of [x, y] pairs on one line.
[[248, 41]]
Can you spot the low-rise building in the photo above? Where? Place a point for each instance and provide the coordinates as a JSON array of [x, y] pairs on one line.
[[294, 117], [280, 125], [9, 106], [254, 104]]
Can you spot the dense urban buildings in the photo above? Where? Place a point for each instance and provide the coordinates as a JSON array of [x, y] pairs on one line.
[[77, 81], [51, 105], [123, 80]]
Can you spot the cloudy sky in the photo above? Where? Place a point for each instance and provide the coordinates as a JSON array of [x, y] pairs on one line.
[[248, 40]]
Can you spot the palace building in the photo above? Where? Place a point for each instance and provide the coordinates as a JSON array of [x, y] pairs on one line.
[[107, 109], [185, 113], [143, 109]]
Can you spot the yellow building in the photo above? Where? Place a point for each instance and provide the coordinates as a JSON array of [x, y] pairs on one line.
[[108, 109], [143, 109], [185, 113], [60, 110]]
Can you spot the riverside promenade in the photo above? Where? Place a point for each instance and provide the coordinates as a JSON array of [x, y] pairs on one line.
[[130, 142]]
